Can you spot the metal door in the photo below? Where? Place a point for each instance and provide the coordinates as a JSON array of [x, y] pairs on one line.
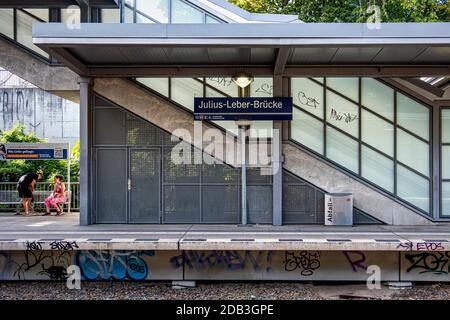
[[144, 185]]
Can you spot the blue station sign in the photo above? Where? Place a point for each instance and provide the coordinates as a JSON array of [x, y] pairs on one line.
[[275, 108]]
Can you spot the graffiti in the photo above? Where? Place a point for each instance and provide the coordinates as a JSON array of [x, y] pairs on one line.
[[221, 81], [34, 245], [429, 262], [307, 101], [49, 263], [265, 88], [229, 259], [306, 261], [64, 245], [342, 116], [118, 265], [356, 259], [421, 246]]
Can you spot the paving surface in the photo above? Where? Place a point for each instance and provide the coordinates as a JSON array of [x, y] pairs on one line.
[[117, 290], [17, 231]]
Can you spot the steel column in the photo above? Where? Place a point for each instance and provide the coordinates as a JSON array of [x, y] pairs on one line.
[[277, 163]]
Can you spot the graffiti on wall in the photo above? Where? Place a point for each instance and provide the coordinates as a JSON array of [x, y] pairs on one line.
[[47, 115], [304, 261]]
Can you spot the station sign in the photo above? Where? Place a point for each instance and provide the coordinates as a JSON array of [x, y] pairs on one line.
[[273, 108], [34, 151]]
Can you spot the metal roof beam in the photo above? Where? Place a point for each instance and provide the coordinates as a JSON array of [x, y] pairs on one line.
[[281, 60]]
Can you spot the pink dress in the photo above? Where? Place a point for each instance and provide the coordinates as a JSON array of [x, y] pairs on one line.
[[55, 198]]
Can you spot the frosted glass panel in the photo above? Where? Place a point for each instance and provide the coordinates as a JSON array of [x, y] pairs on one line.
[[184, 13], [412, 116], [342, 149], [308, 95], [210, 19], [446, 125], [413, 188], [71, 15], [377, 168], [307, 130], [24, 25], [342, 113], [184, 90], [160, 85], [110, 15], [377, 132], [346, 86], [261, 87], [7, 22], [445, 162], [157, 9], [412, 152], [225, 85], [446, 199], [129, 15], [377, 97], [143, 19], [41, 14]]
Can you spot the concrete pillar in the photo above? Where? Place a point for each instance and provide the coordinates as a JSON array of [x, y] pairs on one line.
[[277, 163], [85, 163]]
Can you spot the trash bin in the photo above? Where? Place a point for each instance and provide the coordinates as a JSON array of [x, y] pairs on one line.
[[339, 209]]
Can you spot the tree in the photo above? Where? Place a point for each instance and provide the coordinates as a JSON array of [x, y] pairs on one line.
[[11, 170], [353, 10]]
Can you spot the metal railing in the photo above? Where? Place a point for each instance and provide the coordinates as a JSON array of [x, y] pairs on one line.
[[8, 187]]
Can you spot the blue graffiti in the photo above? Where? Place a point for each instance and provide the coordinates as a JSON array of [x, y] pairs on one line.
[[229, 259], [117, 265]]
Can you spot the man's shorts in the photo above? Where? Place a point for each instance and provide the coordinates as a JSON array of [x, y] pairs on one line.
[[24, 191]]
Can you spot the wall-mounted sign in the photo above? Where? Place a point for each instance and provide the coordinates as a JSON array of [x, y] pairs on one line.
[[276, 108], [34, 151]]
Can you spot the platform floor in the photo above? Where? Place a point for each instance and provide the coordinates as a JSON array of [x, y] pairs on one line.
[[50, 232]]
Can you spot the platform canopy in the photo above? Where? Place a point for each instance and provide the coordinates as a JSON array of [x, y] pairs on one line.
[[58, 3], [304, 49]]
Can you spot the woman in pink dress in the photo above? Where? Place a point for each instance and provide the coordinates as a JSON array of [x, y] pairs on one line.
[[56, 197]]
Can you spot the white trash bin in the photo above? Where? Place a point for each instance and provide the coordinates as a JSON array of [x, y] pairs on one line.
[[338, 209]]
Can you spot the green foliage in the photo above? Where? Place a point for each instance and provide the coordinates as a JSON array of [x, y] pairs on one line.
[[10, 171], [353, 10]]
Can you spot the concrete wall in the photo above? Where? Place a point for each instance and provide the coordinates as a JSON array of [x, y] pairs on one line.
[[35, 264], [368, 199], [57, 79]]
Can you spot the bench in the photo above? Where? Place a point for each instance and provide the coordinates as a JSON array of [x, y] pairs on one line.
[[11, 197]]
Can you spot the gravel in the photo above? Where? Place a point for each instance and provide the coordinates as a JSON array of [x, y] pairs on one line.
[[42, 290]]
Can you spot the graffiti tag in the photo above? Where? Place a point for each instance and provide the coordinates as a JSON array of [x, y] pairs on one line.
[[306, 261], [421, 246], [64, 245], [307, 101], [342, 116], [429, 262]]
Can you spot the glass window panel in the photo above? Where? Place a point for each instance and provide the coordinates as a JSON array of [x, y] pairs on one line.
[[157, 9], [446, 199], [445, 162], [377, 168], [41, 14], [342, 113], [308, 95], [413, 152], [413, 188], [225, 85], [71, 15], [130, 3], [446, 125], [377, 97], [110, 15], [24, 25], [261, 129], [413, 116], [184, 13], [142, 19], [342, 149], [318, 79], [184, 90], [346, 86], [210, 19], [160, 85], [377, 132], [129, 15], [7, 22], [261, 87], [307, 130]]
